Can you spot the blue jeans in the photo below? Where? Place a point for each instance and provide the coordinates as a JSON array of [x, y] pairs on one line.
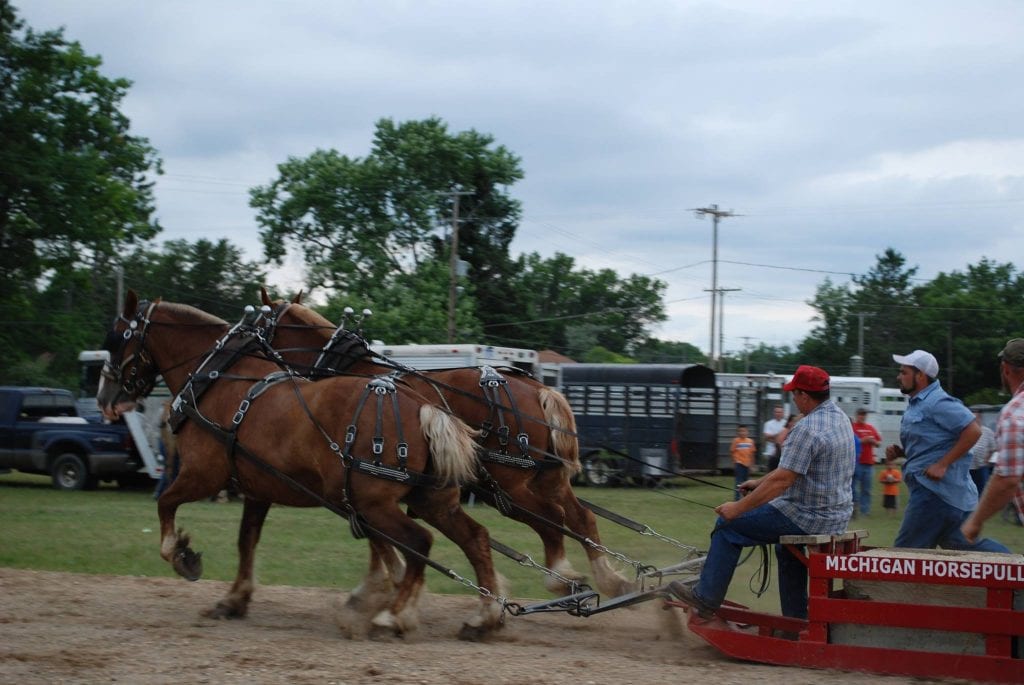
[[759, 526], [742, 473], [929, 522], [862, 477], [980, 478]]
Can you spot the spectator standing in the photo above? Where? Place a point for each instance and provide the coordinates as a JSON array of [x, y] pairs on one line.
[[981, 453], [936, 432], [890, 480], [1007, 480], [770, 435], [863, 475], [743, 451], [808, 494]]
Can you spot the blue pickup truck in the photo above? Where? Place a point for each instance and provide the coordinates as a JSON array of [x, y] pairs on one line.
[[41, 432]]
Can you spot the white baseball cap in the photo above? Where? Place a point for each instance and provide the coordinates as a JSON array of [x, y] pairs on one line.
[[921, 360]]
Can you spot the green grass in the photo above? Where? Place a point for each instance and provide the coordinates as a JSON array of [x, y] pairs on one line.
[[116, 531]]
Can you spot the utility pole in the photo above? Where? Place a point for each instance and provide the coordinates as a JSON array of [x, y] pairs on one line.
[[746, 352], [857, 363], [860, 332], [717, 366], [119, 277], [453, 262], [949, 357], [716, 214]]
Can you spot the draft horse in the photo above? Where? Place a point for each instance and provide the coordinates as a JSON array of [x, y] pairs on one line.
[[527, 431], [343, 443]]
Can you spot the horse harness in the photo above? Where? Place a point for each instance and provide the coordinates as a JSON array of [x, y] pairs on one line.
[[243, 340]]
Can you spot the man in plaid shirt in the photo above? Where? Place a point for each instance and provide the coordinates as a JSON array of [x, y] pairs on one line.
[[808, 494], [1008, 474]]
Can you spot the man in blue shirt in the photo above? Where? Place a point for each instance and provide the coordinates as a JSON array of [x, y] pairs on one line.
[[937, 432], [808, 494]]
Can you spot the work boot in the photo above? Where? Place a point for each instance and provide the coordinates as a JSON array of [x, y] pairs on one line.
[[684, 593]]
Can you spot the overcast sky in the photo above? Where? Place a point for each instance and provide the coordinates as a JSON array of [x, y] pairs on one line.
[[836, 129]]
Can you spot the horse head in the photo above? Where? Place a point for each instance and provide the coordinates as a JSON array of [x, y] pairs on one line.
[[129, 372]]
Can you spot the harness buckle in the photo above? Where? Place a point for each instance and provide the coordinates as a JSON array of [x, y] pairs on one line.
[[350, 436], [378, 446], [240, 414], [403, 451]]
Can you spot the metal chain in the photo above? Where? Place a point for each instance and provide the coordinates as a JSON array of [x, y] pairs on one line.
[[638, 566], [528, 562], [505, 602], [672, 541]]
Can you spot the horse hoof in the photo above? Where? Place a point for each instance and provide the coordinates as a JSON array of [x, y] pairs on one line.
[[471, 633], [385, 633], [224, 610], [188, 564]]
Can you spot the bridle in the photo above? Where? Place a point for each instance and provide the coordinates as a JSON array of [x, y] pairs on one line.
[[137, 383]]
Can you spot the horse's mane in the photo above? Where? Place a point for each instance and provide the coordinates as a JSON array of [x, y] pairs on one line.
[[188, 311], [309, 316]]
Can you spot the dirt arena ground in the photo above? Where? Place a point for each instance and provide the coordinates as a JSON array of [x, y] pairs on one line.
[[68, 628]]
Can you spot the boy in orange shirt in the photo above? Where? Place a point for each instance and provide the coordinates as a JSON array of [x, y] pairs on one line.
[[743, 450], [890, 480]]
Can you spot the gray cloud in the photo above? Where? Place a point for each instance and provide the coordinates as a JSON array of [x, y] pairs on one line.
[[837, 129]]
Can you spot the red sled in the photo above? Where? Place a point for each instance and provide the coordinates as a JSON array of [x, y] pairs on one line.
[[923, 613]]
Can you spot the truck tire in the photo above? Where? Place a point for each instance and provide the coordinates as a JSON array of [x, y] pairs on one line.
[[70, 472], [598, 472]]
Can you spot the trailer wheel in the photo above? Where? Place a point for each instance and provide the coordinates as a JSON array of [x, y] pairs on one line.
[[597, 472], [69, 472]]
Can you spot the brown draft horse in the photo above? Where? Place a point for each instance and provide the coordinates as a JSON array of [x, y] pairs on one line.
[[290, 427], [299, 334]]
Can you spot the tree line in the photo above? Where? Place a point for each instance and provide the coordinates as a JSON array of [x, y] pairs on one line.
[[77, 216]]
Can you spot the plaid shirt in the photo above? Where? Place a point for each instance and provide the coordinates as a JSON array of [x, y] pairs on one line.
[[820, 449], [1010, 442]]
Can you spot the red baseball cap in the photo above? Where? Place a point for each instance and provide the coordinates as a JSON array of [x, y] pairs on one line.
[[808, 379]]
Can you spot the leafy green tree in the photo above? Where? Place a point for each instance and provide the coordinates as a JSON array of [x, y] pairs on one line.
[[573, 310], [412, 309], [73, 180], [602, 355], [886, 300], [828, 345], [967, 317], [362, 224], [655, 351], [963, 318], [75, 194], [209, 275]]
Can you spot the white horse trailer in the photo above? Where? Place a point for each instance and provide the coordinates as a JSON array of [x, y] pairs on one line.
[[429, 357]]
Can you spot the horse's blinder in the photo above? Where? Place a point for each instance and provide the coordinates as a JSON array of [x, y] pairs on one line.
[[142, 376]]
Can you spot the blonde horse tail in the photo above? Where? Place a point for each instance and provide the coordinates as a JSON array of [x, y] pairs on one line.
[[559, 416], [451, 446]]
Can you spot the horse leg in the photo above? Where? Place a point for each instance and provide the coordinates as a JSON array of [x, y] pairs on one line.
[[441, 509], [395, 601], [402, 614], [540, 510], [552, 489], [174, 543], [378, 587], [581, 521], [236, 603]]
